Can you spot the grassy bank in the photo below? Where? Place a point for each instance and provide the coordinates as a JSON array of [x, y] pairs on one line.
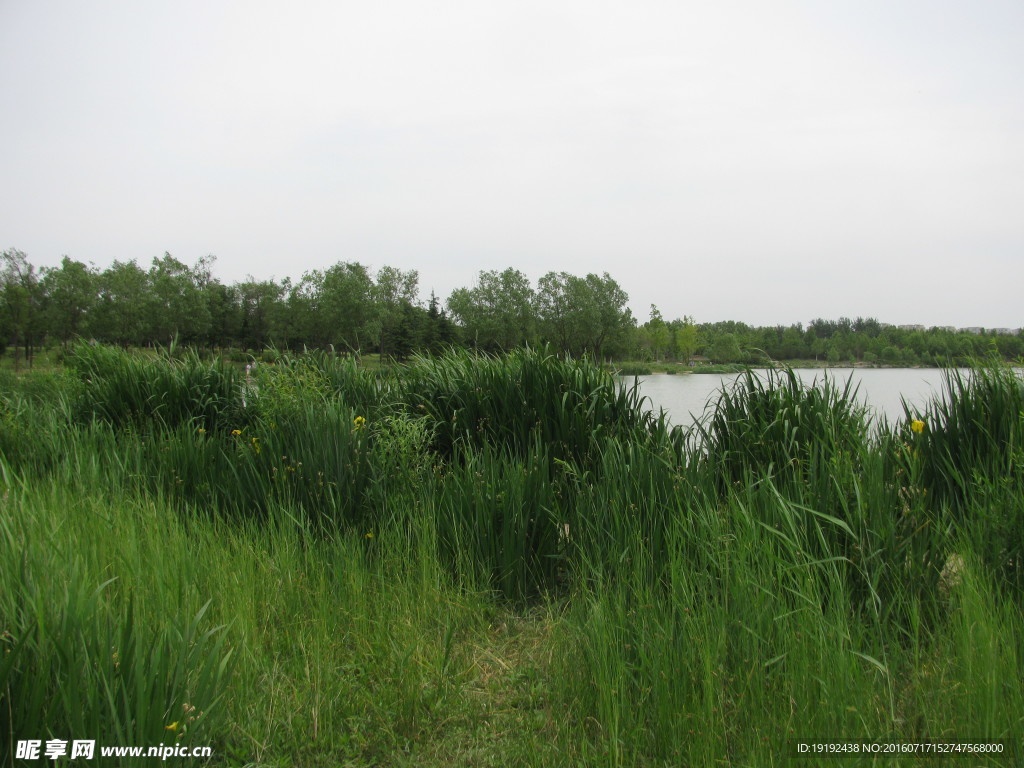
[[480, 561]]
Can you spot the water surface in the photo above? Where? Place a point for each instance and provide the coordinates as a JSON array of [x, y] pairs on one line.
[[685, 397]]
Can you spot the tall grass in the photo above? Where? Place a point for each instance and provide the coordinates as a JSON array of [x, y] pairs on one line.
[[477, 560], [295, 381], [82, 652], [123, 618], [570, 407], [970, 457], [770, 424], [498, 522], [128, 390]]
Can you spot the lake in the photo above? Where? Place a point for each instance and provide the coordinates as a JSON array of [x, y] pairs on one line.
[[685, 396]]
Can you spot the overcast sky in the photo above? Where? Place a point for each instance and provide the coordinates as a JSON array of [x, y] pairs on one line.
[[754, 161]]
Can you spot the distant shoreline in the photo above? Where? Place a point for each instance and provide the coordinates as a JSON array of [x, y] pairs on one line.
[[680, 369]]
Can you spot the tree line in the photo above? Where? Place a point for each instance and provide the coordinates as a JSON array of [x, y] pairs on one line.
[[347, 306], [864, 340], [352, 308]]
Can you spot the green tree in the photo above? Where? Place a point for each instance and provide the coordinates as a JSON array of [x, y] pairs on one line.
[[21, 304], [725, 349], [345, 306], [658, 335], [404, 333], [613, 318], [70, 292], [177, 306], [439, 331], [225, 307], [261, 302], [556, 315], [391, 290], [301, 326], [119, 316], [498, 312], [793, 345], [684, 338], [583, 315]]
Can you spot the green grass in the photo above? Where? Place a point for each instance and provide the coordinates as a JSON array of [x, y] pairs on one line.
[[476, 561]]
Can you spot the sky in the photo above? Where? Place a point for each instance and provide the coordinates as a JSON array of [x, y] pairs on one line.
[[769, 163]]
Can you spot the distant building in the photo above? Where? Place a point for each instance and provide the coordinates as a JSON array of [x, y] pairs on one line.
[[911, 327], [976, 330], [1005, 331]]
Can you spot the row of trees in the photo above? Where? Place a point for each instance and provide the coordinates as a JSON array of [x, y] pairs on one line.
[[346, 306], [350, 307], [578, 315], [864, 340]]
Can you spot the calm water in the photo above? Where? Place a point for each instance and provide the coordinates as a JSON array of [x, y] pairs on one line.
[[685, 397]]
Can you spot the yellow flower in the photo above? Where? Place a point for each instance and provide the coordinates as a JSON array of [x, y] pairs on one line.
[[369, 535], [255, 444], [236, 432], [201, 431], [359, 422], [917, 426], [172, 727]]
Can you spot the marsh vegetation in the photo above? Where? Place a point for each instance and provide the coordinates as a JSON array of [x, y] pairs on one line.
[[509, 560]]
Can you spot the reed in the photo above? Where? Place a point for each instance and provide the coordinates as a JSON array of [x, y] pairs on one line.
[[967, 448], [476, 560], [513, 400], [770, 424], [82, 656], [133, 390]]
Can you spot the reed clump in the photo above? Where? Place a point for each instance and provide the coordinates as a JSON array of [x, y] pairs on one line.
[[967, 449], [571, 407]]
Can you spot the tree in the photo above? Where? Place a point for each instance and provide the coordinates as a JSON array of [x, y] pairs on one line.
[[226, 319], [21, 303], [120, 311], [438, 330], [260, 302], [793, 345], [391, 290], [345, 304], [725, 349], [334, 308], [498, 312], [301, 326], [70, 292], [405, 331], [176, 303], [583, 315], [685, 338], [555, 312], [658, 335]]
